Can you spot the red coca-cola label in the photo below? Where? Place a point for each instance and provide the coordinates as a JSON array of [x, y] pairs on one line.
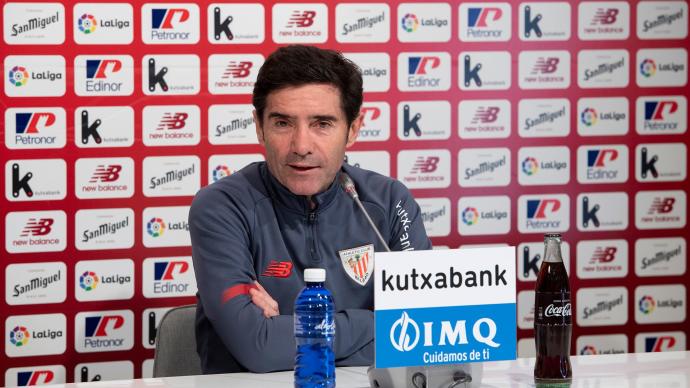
[[553, 308]]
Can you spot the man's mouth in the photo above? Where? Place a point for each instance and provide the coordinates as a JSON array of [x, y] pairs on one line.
[[301, 168]]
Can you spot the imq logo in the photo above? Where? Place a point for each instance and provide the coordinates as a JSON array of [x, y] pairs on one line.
[[544, 21], [661, 162], [484, 70], [235, 23], [300, 23], [485, 22], [168, 277], [660, 256], [543, 213], [170, 74], [104, 331], [170, 23], [603, 21], [661, 115], [599, 259], [423, 120], [662, 20], [423, 71], [33, 23], [233, 74], [362, 23], [602, 163], [602, 211], [35, 128], [101, 127], [96, 24]]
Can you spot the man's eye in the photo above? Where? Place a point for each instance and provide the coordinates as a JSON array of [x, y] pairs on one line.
[[325, 124], [280, 123]]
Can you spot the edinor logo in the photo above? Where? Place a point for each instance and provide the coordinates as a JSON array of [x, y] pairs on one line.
[[87, 23], [168, 277], [646, 304], [470, 216], [588, 117], [19, 336], [423, 71], [88, 281], [97, 68], [155, 227], [648, 67], [420, 65]]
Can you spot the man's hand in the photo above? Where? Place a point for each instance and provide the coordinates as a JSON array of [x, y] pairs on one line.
[[263, 300]]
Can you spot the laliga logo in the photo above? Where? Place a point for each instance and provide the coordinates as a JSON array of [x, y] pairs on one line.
[[410, 23], [19, 336], [470, 216], [405, 334], [647, 304], [588, 350], [221, 171], [88, 280], [87, 24], [589, 117], [530, 166], [647, 68], [155, 227], [19, 76]]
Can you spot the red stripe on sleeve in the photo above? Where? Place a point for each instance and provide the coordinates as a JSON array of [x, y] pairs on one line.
[[237, 290]]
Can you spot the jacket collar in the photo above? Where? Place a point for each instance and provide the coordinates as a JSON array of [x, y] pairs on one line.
[[299, 203]]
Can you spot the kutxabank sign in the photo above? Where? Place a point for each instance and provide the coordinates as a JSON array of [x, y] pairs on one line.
[[444, 307]]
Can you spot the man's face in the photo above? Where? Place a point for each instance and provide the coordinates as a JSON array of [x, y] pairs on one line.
[[305, 133]]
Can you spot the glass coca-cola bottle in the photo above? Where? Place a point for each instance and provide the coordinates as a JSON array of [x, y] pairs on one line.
[[552, 317]]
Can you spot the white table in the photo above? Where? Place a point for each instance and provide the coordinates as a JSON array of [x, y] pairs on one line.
[[632, 370]]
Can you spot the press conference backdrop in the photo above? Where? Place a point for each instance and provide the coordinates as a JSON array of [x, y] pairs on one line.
[[505, 119]]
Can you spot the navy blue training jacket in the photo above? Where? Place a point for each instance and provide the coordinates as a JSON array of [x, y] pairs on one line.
[[249, 227]]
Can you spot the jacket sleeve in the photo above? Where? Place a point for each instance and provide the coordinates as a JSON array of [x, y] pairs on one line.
[[406, 223], [224, 270]]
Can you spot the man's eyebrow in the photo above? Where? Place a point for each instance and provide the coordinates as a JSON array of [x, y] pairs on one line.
[[324, 118], [278, 115]]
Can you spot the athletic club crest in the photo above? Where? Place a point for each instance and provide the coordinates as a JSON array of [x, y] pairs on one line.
[[358, 263]]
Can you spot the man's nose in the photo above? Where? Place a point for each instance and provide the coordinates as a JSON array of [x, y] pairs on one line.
[[301, 139]]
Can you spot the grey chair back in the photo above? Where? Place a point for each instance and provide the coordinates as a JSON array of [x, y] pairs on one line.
[[176, 344]]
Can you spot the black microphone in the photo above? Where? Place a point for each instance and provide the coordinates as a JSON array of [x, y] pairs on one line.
[[349, 186]]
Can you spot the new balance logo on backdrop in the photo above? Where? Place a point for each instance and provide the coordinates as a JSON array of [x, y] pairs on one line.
[[603, 255], [661, 205], [301, 19], [238, 69], [424, 165], [545, 65], [37, 227], [106, 173], [605, 16], [486, 115], [173, 121]]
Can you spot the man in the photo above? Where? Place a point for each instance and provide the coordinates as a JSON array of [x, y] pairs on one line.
[[254, 232]]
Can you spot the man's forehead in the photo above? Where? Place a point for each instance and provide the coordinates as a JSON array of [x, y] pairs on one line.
[[309, 100]]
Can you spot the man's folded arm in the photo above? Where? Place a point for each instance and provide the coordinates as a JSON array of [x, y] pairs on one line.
[[224, 272]]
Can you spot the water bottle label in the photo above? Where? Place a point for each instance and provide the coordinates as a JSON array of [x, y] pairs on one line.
[[553, 308]]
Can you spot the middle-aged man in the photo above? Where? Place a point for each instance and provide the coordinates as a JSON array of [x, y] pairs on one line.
[[254, 232]]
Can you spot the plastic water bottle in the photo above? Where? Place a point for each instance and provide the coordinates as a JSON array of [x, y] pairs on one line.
[[314, 333]]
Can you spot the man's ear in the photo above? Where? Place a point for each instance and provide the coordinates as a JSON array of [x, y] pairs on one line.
[[353, 131], [259, 128]]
